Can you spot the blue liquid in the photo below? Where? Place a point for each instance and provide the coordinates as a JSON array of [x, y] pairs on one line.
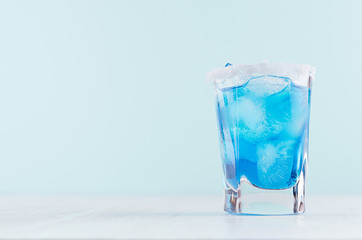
[[263, 131]]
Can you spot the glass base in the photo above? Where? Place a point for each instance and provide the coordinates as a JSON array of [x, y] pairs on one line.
[[249, 199]]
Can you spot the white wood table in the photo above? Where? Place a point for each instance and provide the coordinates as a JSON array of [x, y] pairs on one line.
[[171, 217]]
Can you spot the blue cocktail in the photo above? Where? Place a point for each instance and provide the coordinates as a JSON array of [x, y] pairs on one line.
[[263, 130]]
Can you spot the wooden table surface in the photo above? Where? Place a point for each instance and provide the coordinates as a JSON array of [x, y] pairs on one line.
[[171, 217]]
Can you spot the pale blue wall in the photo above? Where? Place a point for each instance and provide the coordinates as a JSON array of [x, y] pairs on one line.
[[109, 97]]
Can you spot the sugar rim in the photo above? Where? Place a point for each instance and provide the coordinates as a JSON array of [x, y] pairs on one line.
[[298, 73]]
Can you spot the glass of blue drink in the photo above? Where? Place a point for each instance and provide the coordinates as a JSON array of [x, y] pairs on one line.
[[263, 118]]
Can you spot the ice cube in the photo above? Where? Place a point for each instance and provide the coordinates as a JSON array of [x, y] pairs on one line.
[[264, 86], [278, 108], [254, 120], [258, 110], [299, 112], [246, 119], [251, 113], [275, 162]]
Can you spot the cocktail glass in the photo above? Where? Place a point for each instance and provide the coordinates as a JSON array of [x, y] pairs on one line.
[[263, 118]]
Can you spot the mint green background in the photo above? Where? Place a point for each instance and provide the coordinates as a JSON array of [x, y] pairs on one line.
[[110, 97]]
